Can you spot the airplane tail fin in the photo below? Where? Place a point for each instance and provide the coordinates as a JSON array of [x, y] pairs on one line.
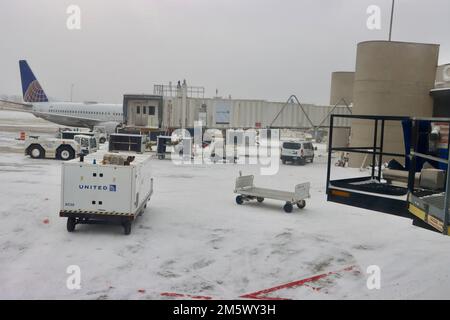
[[31, 89]]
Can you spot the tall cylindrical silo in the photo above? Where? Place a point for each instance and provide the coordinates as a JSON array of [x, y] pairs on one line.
[[443, 76], [341, 87], [391, 78]]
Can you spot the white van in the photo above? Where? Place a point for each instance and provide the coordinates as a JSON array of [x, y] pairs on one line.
[[297, 152]]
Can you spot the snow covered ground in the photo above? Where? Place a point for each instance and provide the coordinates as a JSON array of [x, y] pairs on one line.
[[194, 240]]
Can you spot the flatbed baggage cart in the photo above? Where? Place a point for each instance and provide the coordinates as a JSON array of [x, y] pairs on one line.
[[247, 191]]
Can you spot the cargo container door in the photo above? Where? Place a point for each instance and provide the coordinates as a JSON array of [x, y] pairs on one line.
[[116, 182]]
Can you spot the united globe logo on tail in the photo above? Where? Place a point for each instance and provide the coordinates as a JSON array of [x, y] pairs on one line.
[[31, 89], [34, 93]]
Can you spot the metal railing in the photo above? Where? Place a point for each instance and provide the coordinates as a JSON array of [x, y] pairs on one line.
[[177, 90]]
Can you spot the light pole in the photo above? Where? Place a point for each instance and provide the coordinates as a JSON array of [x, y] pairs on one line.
[[71, 92], [392, 18]]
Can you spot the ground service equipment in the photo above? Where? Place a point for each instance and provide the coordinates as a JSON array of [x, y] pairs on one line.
[[52, 148], [105, 188], [419, 190], [127, 142], [247, 191]]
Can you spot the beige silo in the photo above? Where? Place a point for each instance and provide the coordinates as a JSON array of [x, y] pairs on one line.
[[391, 78], [443, 76], [341, 88]]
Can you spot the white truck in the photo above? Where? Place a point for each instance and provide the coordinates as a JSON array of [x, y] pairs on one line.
[[97, 132], [87, 143], [297, 152], [100, 133], [105, 188], [52, 148], [61, 149]]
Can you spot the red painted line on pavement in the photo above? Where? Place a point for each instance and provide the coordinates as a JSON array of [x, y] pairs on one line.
[[303, 282], [262, 294], [180, 295]]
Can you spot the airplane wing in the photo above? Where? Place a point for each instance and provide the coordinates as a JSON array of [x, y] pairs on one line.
[[15, 106], [68, 120]]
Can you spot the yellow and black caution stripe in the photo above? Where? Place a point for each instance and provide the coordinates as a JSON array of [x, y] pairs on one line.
[[436, 223], [64, 213]]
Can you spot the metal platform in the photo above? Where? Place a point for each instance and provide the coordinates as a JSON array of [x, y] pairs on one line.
[[428, 209]]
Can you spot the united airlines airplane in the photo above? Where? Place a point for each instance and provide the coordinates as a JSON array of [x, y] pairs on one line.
[[73, 114]]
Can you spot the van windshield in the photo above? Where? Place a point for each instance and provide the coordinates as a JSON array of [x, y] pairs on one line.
[[291, 145]]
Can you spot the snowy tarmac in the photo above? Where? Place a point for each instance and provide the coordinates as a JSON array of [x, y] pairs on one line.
[[194, 241]]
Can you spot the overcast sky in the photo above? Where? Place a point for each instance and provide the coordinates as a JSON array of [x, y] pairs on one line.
[[254, 49]]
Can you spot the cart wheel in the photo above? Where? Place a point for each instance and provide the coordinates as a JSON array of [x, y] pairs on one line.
[[127, 227], [288, 207], [71, 223], [301, 204], [239, 200], [259, 199]]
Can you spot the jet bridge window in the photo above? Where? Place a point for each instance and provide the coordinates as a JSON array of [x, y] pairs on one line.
[[138, 109], [151, 110], [144, 109]]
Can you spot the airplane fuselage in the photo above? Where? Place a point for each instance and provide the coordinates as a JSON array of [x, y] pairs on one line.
[[78, 114]]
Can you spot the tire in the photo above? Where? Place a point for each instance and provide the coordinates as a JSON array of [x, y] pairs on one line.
[[65, 153], [127, 228], [302, 162], [288, 207], [283, 161], [102, 140], [259, 199], [312, 159], [36, 152], [239, 200], [301, 204], [71, 223]]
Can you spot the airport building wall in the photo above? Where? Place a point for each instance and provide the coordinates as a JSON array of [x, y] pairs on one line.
[[240, 113]]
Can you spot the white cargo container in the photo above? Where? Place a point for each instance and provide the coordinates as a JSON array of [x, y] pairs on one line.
[[98, 191]]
